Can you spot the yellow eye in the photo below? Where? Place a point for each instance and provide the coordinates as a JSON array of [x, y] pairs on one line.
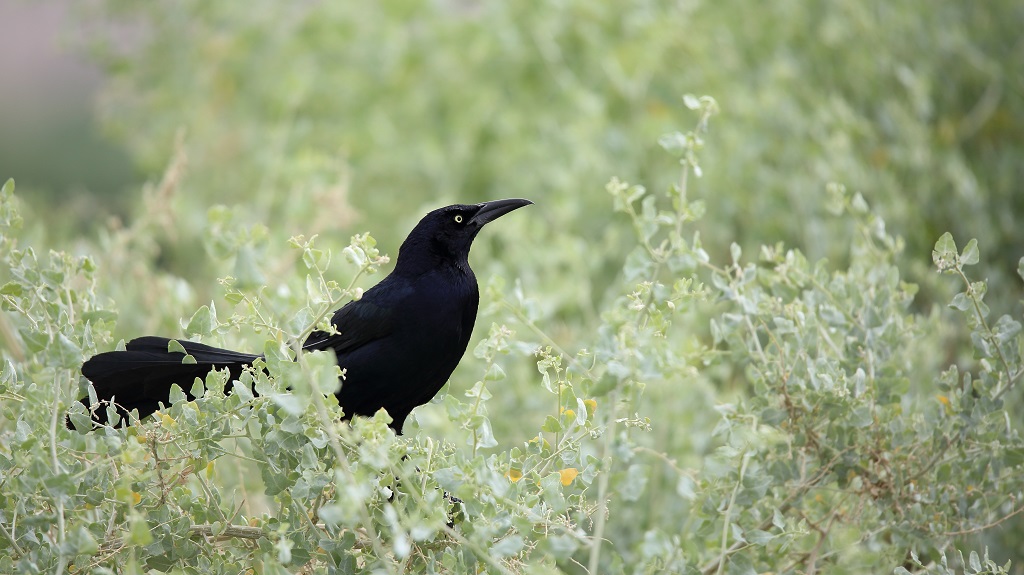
[[458, 218]]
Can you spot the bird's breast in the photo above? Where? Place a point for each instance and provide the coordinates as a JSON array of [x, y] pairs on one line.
[[445, 307]]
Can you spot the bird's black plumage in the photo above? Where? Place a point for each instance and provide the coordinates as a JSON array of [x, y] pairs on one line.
[[399, 343]]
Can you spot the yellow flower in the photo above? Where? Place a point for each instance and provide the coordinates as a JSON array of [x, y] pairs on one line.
[[591, 406], [514, 475], [568, 475], [945, 403]]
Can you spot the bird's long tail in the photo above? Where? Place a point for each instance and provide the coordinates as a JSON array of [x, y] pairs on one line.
[[141, 376]]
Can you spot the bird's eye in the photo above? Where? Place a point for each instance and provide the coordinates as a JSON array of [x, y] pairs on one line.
[[458, 218]]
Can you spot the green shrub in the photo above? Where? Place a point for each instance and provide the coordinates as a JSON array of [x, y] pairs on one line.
[[809, 426]]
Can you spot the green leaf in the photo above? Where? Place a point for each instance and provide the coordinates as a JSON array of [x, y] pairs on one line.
[[203, 321], [961, 302], [243, 390], [198, 389], [233, 296], [673, 142], [174, 346], [332, 514], [67, 352], [494, 373], [176, 395], [508, 546], [82, 542], [685, 488], [970, 256], [59, 484], [80, 419], [561, 546], [354, 255], [635, 482], [944, 253], [551, 425], [836, 198], [485, 436], [284, 547], [311, 257], [11, 288], [1006, 328], [737, 532], [478, 390], [778, 519], [35, 341], [98, 315], [289, 402], [247, 272], [858, 204], [758, 537], [138, 531]]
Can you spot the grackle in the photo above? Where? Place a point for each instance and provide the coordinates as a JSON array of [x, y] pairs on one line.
[[398, 344]]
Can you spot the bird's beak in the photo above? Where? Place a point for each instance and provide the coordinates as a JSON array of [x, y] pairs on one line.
[[490, 211]]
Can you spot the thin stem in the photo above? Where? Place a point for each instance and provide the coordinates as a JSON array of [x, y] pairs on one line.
[[547, 339], [728, 512], [329, 305], [993, 341], [602, 491], [342, 458], [61, 527], [479, 551], [10, 537], [981, 528]]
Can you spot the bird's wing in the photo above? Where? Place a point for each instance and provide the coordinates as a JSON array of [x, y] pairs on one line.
[[358, 323]]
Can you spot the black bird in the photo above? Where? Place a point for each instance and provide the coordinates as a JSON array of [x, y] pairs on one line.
[[399, 343]]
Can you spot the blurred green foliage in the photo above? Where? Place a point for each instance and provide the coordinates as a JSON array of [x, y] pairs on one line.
[[751, 371], [418, 103]]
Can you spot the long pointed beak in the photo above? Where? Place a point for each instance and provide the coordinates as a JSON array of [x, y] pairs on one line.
[[490, 211]]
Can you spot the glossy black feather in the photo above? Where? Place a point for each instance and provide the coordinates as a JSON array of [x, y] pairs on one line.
[[399, 343]]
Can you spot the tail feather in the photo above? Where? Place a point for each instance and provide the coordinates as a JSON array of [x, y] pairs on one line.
[[141, 376]]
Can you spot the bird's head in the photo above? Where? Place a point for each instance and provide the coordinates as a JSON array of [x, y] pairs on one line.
[[447, 233]]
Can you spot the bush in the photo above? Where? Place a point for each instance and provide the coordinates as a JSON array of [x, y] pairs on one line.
[[811, 425]]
